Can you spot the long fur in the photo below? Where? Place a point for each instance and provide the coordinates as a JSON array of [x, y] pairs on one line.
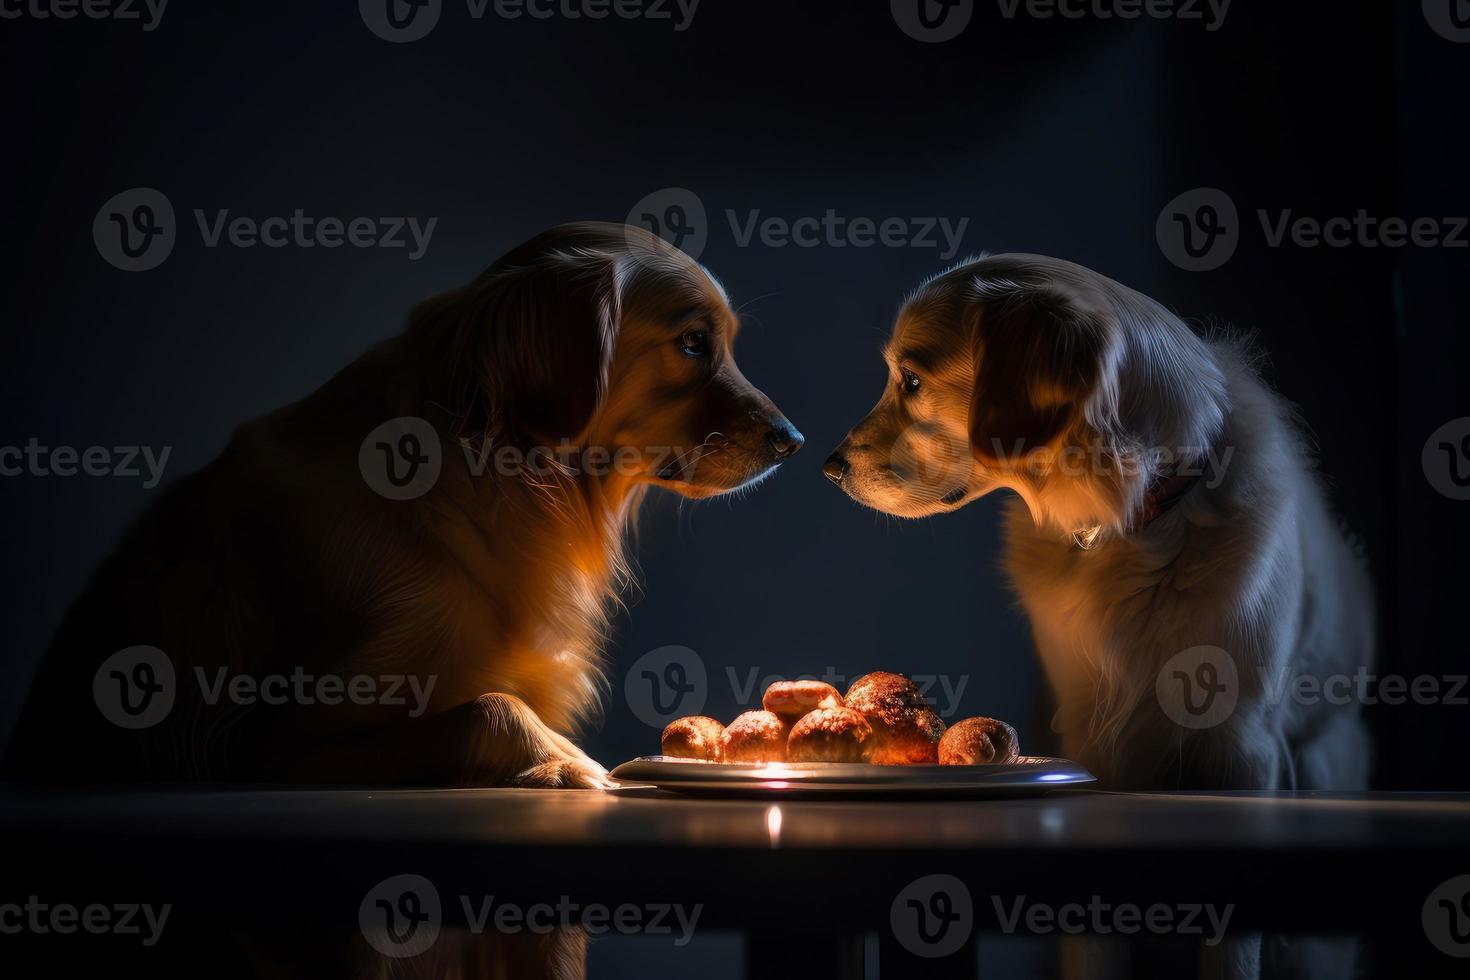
[[1003, 366], [498, 585]]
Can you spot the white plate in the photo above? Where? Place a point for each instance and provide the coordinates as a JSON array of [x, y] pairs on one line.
[[1027, 776]]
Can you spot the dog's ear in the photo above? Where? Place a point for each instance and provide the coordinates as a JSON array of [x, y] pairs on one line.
[[1040, 355], [550, 333], [524, 351]]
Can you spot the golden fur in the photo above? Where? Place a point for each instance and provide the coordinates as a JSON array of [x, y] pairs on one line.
[[497, 584]]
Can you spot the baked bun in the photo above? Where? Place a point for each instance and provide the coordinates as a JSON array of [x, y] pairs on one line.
[[829, 735], [906, 731], [694, 737], [978, 742], [793, 699], [755, 736]]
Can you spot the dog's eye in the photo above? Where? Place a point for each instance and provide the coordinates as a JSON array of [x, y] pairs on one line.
[[694, 343], [910, 381]]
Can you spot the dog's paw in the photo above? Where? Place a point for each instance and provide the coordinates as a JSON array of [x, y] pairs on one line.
[[572, 773]]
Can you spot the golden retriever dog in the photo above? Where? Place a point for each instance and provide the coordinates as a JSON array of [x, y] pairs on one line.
[[1169, 542], [584, 367], [463, 618]]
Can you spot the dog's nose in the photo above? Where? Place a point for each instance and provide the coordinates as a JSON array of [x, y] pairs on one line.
[[785, 441], [835, 468]]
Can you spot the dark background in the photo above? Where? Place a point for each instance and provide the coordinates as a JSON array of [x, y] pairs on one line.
[[1060, 137]]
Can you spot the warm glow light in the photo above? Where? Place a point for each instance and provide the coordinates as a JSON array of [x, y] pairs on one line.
[[773, 825]]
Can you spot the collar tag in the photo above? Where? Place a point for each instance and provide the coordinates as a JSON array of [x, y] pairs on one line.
[[1086, 538]]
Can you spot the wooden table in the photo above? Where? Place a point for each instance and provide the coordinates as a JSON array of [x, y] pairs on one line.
[[828, 871]]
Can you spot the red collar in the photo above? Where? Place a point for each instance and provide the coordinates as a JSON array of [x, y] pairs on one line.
[[1166, 491]]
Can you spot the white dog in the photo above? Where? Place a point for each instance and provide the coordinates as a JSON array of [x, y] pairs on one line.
[[1187, 586]]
